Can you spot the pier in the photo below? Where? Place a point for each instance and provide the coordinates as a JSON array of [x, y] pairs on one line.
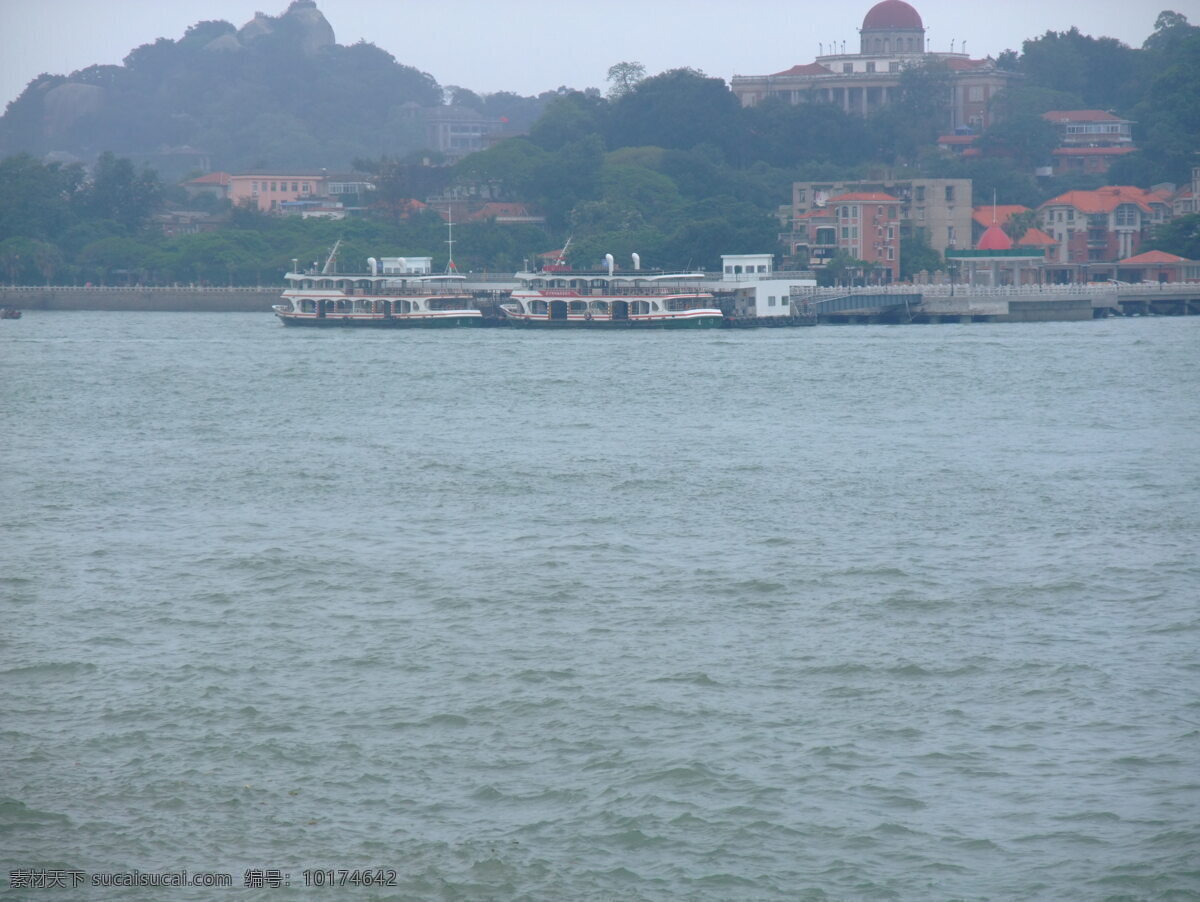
[[871, 304]]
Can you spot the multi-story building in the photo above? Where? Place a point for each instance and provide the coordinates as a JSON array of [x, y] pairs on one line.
[[1089, 140], [892, 38], [267, 189], [1187, 199], [864, 225], [1104, 225], [938, 209], [277, 191]]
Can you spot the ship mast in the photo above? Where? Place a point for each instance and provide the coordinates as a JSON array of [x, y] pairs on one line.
[[450, 267], [331, 261]]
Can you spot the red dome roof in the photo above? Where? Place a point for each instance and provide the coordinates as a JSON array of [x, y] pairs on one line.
[[994, 239], [892, 14]]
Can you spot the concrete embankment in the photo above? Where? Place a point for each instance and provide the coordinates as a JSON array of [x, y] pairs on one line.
[[176, 300]]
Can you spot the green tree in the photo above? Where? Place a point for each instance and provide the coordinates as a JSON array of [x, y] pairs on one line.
[[36, 197], [1020, 223], [117, 192], [678, 109], [1098, 70], [624, 77], [17, 257], [1180, 236], [916, 255], [845, 269], [569, 118], [1026, 139]]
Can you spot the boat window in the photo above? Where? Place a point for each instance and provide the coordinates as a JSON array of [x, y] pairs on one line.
[[448, 304]]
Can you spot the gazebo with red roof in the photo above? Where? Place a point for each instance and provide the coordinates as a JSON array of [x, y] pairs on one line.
[[995, 261]]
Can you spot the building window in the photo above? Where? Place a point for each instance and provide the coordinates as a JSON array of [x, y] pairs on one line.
[[949, 194], [975, 93], [870, 67], [847, 67], [1125, 215], [920, 193], [846, 232], [894, 66], [771, 301], [950, 234]]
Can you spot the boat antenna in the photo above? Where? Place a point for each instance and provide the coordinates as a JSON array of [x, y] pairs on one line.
[[330, 266], [450, 267], [562, 255]]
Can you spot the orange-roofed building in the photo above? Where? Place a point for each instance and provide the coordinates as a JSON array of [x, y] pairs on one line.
[[1101, 226], [1158, 266], [868, 228], [215, 184]]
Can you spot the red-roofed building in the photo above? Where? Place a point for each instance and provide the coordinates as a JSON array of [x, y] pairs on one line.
[[1090, 128], [1093, 229], [1089, 140], [868, 228], [1158, 266], [891, 39], [1101, 226], [215, 184]]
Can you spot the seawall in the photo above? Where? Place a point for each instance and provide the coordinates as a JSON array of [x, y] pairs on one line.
[[177, 300]]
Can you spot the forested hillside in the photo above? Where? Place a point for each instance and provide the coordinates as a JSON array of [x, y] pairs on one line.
[[278, 92], [669, 165]]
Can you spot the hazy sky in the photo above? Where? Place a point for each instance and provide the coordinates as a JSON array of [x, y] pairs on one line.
[[530, 46]]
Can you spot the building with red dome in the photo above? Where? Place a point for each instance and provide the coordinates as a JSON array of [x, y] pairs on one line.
[[892, 26], [892, 38]]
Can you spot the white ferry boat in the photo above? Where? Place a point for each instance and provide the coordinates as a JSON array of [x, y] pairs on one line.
[[557, 297], [391, 294]]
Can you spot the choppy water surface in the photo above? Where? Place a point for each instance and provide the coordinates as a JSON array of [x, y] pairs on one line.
[[836, 613]]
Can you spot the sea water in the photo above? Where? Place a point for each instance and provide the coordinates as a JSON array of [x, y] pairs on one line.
[[857, 613]]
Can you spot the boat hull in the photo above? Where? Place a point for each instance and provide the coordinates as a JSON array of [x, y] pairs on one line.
[[381, 322], [699, 320]]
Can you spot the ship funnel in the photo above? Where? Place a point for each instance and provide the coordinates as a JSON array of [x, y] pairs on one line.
[[372, 263], [608, 258], [637, 262]]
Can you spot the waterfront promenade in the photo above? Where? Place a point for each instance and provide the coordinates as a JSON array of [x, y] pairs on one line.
[[901, 303]]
